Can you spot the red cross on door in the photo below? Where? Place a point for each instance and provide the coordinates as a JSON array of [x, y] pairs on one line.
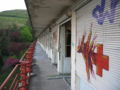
[[102, 61]]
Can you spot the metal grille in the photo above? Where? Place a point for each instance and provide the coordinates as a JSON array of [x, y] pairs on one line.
[[109, 35]]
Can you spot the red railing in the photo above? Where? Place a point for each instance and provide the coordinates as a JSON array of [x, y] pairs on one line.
[[19, 76]]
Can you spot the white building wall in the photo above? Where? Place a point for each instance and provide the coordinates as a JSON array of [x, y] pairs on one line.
[[108, 34], [73, 50], [55, 43], [47, 43]]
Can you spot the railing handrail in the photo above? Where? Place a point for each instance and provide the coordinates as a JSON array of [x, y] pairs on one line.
[[9, 76], [12, 72]]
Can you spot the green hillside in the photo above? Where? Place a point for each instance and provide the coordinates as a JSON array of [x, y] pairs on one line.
[[13, 17]]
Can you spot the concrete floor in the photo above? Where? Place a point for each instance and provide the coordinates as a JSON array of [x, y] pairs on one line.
[[43, 69]]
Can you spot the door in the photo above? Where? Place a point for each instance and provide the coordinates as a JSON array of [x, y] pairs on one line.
[[65, 48]]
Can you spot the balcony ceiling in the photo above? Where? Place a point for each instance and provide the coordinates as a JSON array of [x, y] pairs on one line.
[[44, 12]]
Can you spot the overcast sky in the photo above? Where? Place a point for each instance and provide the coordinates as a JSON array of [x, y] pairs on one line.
[[11, 4]]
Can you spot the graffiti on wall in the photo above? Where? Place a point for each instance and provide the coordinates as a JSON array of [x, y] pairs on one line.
[[100, 14], [91, 57]]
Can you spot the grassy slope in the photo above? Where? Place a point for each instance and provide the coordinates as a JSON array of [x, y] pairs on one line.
[[9, 18]]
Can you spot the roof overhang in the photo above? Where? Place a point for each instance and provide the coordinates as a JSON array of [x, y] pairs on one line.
[[44, 12]]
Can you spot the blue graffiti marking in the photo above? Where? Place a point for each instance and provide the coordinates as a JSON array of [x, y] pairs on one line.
[[100, 14]]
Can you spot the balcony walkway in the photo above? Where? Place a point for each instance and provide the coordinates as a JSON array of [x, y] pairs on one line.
[[43, 70]]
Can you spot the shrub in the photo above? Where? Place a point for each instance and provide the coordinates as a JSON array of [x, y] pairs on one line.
[[26, 34], [11, 61], [15, 36], [16, 47]]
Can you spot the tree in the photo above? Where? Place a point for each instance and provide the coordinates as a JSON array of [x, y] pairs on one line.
[[26, 34]]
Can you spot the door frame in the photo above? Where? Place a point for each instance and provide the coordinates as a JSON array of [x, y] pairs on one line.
[[61, 25]]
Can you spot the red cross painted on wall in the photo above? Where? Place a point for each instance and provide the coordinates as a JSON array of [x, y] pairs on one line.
[[91, 57], [102, 61]]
